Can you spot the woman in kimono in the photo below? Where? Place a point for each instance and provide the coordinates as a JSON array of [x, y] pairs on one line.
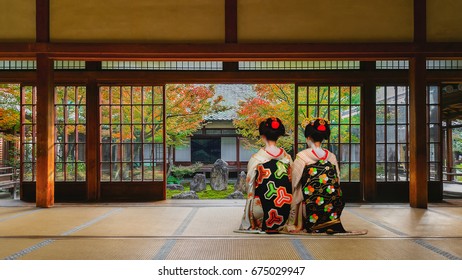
[[268, 183], [317, 198]]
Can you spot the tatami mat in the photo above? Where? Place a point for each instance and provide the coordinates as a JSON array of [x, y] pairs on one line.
[[452, 246], [451, 212], [215, 221], [97, 249], [368, 249], [204, 230], [234, 249], [353, 222], [10, 246], [8, 212], [413, 222], [53, 221], [139, 221]]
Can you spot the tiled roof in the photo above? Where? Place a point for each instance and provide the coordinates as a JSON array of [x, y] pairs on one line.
[[232, 94]]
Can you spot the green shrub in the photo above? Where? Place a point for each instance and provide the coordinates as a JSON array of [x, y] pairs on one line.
[[173, 180], [179, 172]]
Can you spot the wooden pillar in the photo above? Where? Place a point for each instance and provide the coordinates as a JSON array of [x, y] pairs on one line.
[[238, 155], [418, 167], [368, 136], [92, 138], [45, 133]]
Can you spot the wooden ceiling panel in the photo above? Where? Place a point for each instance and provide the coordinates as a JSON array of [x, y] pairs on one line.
[[17, 20], [444, 20], [155, 21], [325, 21]]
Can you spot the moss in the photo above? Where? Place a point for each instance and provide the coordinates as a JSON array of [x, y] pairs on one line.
[[208, 193]]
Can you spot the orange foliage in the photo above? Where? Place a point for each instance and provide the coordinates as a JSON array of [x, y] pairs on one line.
[[272, 100]]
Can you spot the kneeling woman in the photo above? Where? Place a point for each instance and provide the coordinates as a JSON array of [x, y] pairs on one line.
[[318, 202], [268, 183]]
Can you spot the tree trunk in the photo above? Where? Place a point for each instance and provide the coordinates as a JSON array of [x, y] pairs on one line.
[[169, 159]]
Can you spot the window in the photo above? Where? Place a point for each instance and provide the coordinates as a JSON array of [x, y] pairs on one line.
[[392, 64], [341, 105], [392, 130], [434, 134], [131, 133], [18, 65], [70, 132], [163, 65], [298, 65], [69, 64], [431, 64], [444, 64], [219, 132], [205, 150], [392, 133], [28, 133]]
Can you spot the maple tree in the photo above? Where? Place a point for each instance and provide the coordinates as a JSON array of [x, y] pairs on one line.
[[186, 108], [10, 121], [278, 100], [9, 110], [272, 100]]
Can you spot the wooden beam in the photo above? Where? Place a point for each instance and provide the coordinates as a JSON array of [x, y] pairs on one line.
[[93, 65], [368, 135], [418, 168], [434, 76], [42, 19], [357, 76], [231, 51], [420, 21], [231, 21], [92, 139], [161, 77], [45, 133], [26, 77], [230, 32]]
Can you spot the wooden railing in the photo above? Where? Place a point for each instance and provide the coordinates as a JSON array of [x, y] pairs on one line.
[[452, 174], [9, 180]]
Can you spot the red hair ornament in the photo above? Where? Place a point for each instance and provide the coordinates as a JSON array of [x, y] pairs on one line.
[[275, 124], [322, 127]]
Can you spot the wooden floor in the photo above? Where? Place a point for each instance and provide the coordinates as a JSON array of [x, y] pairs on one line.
[[204, 230]]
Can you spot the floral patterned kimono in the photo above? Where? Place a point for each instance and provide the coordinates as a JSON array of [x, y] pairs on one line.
[[317, 198], [269, 192]]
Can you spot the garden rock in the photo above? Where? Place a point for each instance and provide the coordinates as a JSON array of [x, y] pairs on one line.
[[175, 187], [186, 195], [236, 195], [219, 175], [198, 183], [241, 183]]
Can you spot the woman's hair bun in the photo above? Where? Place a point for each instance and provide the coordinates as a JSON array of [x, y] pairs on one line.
[[318, 129], [272, 128]]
